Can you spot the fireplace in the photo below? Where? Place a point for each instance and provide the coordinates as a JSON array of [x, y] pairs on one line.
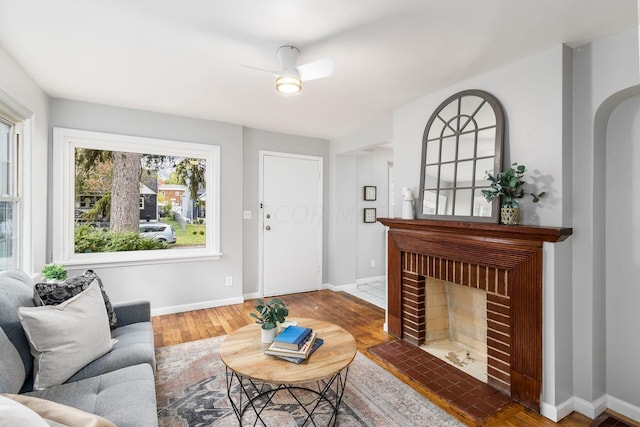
[[503, 261]]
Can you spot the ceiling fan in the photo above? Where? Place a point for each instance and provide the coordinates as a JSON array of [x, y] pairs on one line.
[[290, 77]]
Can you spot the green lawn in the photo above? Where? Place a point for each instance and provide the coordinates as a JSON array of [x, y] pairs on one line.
[[187, 237]]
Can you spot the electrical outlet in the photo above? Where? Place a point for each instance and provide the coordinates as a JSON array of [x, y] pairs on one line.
[[228, 281], [373, 263]]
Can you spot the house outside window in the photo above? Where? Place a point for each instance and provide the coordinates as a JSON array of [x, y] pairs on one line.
[[89, 197]]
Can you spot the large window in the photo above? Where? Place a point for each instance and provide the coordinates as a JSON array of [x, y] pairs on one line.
[[109, 192], [9, 197]]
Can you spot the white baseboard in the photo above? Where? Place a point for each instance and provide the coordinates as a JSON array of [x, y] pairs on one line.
[[624, 408], [342, 288], [589, 409], [371, 279], [252, 295], [195, 306], [556, 413]]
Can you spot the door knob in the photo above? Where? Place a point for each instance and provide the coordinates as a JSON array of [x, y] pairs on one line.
[[268, 227], [268, 216]]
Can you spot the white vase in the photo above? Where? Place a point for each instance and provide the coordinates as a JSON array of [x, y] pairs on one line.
[[268, 335]]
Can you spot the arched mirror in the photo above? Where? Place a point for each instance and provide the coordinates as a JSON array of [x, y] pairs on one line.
[[462, 140]]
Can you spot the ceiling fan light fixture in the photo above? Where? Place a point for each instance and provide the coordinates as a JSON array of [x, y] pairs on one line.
[[288, 85]]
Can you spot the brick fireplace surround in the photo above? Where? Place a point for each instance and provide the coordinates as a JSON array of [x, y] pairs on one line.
[[505, 261]]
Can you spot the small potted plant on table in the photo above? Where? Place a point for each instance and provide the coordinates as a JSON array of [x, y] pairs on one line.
[[270, 314], [508, 184], [54, 273]]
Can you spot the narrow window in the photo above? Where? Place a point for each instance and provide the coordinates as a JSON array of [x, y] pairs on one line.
[[9, 197]]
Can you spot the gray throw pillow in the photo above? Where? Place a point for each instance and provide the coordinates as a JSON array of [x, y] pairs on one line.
[[12, 374], [66, 337], [56, 293]]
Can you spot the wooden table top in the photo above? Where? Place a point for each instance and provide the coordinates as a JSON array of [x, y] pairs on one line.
[[241, 351]]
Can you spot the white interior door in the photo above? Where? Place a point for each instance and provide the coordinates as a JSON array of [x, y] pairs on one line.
[[291, 223]]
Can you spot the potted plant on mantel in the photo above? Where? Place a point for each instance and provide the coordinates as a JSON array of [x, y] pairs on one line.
[[54, 273], [508, 185], [270, 314]]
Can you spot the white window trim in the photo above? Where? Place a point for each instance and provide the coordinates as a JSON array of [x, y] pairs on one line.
[[21, 118], [65, 141]]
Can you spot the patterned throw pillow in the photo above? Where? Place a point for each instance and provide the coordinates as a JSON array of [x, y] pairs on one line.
[[56, 293]]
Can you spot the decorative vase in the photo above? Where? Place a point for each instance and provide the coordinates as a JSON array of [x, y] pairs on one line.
[[510, 216], [268, 335], [408, 210]]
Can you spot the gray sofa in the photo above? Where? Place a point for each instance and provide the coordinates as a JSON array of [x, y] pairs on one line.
[[118, 386]]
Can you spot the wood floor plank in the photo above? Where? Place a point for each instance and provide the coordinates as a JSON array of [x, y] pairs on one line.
[[363, 320]]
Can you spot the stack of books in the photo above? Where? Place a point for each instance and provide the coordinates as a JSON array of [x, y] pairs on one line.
[[294, 344]]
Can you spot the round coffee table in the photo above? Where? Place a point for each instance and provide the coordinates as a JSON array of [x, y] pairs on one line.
[[254, 378]]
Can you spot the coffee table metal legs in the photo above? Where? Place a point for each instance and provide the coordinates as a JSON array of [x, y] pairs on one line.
[[246, 394]]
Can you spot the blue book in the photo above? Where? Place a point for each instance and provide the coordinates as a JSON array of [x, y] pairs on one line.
[[292, 337]]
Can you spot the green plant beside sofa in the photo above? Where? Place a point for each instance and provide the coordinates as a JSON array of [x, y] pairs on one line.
[[118, 386]]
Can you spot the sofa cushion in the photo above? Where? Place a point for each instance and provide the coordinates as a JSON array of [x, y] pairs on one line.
[[134, 346], [66, 337], [14, 414], [56, 293], [12, 374], [56, 413], [125, 397], [16, 290]]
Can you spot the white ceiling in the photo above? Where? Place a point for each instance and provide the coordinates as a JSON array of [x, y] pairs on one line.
[[184, 57]]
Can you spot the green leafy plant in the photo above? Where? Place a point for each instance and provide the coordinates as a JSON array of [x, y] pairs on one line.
[[54, 272], [270, 313], [508, 184], [92, 239]]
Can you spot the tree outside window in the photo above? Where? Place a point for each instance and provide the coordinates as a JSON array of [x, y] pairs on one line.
[[119, 187]]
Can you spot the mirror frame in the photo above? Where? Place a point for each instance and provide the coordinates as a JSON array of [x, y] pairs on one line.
[[498, 111]]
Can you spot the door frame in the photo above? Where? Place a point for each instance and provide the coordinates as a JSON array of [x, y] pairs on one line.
[[262, 154]]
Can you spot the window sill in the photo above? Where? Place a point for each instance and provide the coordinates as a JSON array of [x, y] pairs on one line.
[[127, 259]]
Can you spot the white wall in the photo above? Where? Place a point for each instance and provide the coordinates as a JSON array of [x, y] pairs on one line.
[[623, 253], [255, 141], [173, 285], [25, 94]]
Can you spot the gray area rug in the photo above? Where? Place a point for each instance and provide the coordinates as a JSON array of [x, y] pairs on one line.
[[191, 391]]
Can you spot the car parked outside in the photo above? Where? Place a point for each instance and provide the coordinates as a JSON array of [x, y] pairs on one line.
[[158, 231]]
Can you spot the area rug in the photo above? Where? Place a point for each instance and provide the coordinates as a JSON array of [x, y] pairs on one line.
[[191, 391]]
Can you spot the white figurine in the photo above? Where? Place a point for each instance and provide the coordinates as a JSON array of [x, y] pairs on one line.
[[407, 205]]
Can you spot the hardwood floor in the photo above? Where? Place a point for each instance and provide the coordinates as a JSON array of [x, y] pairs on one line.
[[363, 320]]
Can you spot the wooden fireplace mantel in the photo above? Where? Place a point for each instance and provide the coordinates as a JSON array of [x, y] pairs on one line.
[[503, 259], [481, 230]]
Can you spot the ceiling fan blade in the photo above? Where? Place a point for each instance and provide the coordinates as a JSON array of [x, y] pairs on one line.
[[317, 69], [275, 73]]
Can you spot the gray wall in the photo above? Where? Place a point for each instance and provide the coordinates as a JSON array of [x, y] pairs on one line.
[[254, 142], [171, 284], [606, 72], [18, 89], [371, 244], [623, 252], [346, 204]]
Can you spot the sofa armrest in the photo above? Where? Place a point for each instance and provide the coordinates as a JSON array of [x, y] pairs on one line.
[[130, 312]]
